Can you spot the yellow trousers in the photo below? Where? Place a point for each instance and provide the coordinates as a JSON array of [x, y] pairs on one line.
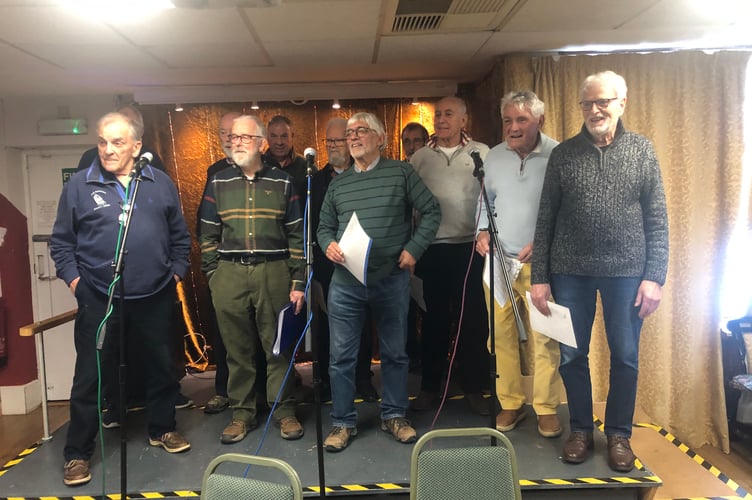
[[546, 380]]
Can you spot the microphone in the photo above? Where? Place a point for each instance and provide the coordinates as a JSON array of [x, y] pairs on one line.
[[478, 171], [310, 156], [144, 160]]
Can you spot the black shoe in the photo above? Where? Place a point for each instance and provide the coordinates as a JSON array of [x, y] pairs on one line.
[[366, 392], [183, 401]]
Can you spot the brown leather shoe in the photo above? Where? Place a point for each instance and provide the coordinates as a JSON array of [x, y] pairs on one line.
[[578, 447], [507, 420], [290, 428], [549, 426], [620, 455]]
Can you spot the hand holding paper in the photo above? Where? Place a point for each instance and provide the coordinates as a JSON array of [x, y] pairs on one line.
[[558, 326], [356, 245]]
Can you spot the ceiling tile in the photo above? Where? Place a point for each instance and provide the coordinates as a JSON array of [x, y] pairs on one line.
[[435, 47], [215, 55], [296, 21], [338, 51]]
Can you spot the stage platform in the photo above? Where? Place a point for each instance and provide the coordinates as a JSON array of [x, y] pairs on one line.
[[373, 464]]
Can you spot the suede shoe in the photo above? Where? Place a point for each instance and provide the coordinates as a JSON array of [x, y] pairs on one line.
[[216, 404], [549, 426], [578, 447], [290, 428], [400, 428], [339, 438], [235, 432], [172, 442], [76, 472], [423, 401], [620, 455], [507, 420]]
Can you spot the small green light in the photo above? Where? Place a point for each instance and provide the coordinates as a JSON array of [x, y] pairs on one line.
[[75, 130]]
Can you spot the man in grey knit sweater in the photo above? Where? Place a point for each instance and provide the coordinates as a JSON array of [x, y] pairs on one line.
[[602, 227]]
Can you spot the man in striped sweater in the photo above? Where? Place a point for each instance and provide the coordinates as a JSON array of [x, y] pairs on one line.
[[383, 193]]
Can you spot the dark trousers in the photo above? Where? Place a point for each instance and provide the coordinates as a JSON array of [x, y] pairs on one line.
[[148, 321], [442, 269]]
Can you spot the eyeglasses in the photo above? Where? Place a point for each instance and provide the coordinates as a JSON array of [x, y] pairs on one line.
[[335, 142], [359, 131], [244, 138], [599, 103]]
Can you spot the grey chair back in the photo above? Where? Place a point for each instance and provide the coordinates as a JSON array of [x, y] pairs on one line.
[[219, 485], [464, 467]]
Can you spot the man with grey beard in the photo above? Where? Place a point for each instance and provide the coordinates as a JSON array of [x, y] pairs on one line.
[[257, 271]]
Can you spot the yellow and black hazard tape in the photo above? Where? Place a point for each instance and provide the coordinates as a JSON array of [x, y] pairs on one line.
[[19, 458], [741, 493], [373, 488]]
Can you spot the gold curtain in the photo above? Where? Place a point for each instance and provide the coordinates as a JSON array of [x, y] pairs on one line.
[[690, 105]]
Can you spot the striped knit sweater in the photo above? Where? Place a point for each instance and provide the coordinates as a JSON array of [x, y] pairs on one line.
[[383, 198], [602, 211]]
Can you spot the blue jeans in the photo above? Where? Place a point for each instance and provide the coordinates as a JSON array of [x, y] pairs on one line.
[[623, 325], [388, 300]]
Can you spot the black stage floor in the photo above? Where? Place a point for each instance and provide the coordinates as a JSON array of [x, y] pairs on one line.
[[374, 463]]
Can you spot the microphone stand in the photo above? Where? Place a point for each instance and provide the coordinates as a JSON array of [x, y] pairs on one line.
[[315, 369], [493, 241], [119, 265]]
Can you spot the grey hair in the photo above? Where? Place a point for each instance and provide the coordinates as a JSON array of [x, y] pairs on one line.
[[608, 78], [133, 127], [523, 99], [137, 118], [255, 119], [372, 122]]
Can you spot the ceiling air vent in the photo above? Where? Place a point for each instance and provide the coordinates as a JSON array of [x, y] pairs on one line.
[[417, 22], [419, 15]]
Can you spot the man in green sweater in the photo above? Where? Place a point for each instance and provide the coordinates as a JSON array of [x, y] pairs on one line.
[[383, 193]]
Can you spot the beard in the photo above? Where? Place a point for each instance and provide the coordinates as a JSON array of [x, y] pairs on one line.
[[339, 160]]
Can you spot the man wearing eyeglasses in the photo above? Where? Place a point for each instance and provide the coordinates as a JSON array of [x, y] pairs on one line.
[[383, 194], [339, 161], [514, 179], [602, 227], [252, 254], [446, 167]]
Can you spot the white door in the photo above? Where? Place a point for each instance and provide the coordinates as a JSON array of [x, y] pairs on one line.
[[45, 172]]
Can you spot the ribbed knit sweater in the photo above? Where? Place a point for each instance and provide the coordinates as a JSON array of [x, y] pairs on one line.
[[383, 198], [452, 183], [602, 211]]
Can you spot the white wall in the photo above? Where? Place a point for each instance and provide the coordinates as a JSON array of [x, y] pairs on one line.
[[18, 132]]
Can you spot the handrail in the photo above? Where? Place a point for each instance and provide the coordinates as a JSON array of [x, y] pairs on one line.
[[35, 329], [47, 324]]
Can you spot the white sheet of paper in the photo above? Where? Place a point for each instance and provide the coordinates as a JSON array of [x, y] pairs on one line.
[[356, 245], [558, 326], [500, 289]]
